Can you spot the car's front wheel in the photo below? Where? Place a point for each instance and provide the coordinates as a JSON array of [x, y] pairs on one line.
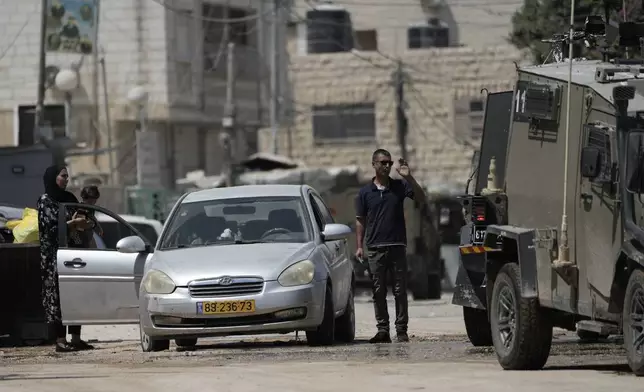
[[324, 334], [345, 325], [149, 344]]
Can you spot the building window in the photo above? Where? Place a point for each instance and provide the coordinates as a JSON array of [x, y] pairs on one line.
[[213, 30], [366, 40], [344, 123], [477, 117], [433, 35], [476, 105]]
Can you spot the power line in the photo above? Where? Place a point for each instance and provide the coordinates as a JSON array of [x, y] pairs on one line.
[[419, 5], [15, 38]]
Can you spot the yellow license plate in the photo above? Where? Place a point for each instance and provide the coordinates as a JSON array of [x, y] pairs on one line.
[[226, 307]]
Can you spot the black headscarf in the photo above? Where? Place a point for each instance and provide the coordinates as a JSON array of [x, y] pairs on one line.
[[53, 190]]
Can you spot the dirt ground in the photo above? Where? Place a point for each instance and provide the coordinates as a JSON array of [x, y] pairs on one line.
[[437, 358]]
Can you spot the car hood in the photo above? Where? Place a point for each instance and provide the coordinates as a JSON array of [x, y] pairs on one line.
[[266, 260]]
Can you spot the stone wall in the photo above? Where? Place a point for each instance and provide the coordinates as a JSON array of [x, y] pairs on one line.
[[437, 79]]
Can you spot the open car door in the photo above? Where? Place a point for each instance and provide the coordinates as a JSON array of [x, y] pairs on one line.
[[99, 285]]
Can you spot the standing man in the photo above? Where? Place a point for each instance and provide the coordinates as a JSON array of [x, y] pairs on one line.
[[380, 210]]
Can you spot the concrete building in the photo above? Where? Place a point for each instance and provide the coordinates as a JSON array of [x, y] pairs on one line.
[[172, 48], [343, 103]]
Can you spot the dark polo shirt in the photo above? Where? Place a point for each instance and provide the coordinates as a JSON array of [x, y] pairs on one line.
[[383, 212]]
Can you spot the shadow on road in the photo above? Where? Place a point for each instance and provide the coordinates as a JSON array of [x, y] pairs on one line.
[[618, 369], [257, 345], [23, 377]]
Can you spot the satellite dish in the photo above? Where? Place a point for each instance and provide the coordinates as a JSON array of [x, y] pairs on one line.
[[50, 75]]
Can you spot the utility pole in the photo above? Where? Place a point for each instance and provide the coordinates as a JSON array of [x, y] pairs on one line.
[[53, 145], [401, 116], [228, 137], [274, 73]]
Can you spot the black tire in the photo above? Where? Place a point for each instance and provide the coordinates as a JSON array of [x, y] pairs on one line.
[[589, 336], [324, 334], [478, 327], [428, 288], [527, 345], [186, 343], [149, 344], [435, 283], [345, 325], [633, 321]]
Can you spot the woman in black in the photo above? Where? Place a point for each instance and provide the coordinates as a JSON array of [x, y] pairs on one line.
[[55, 180]]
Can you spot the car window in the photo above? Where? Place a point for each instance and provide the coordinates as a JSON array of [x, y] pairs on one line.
[[324, 210], [112, 232], [237, 220], [317, 214]]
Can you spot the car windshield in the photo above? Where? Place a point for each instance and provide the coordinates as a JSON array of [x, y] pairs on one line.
[[237, 221]]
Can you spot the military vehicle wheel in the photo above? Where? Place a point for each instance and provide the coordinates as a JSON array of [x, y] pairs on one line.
[[477, 326], [590, 336], [633, 321], [521, 332]]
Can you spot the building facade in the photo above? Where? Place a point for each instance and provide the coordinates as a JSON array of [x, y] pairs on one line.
[[344, 103], [174, 50]]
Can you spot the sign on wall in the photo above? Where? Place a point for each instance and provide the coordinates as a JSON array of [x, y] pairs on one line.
[[72, 26]]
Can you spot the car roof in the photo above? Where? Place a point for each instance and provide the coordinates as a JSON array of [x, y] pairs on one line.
[[234, 192]]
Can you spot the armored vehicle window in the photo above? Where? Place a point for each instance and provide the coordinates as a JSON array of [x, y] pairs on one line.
[[600, 138]]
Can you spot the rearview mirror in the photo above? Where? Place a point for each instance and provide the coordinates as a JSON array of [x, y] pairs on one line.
[[239, 210], [635, 162], [590, 162], [335, 232], [132, 244]]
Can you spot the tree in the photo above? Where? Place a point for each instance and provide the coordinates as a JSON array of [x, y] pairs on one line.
[[541, 19]]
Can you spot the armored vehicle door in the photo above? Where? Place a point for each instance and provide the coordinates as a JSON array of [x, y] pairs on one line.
[[599, 233], [494, 143]]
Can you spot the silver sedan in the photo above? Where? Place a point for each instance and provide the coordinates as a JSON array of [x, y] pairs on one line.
[[247, 260]]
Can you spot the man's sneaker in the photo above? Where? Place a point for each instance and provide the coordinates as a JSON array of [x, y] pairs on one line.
[[402, 337], [381, 337]]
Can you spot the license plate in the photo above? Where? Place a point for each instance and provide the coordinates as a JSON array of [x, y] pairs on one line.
[[226, 307], [479, 235]]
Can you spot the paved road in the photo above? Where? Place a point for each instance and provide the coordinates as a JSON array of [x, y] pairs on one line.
[[438, 357]]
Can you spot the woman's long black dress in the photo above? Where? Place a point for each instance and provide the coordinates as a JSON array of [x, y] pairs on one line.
[[48, 231]]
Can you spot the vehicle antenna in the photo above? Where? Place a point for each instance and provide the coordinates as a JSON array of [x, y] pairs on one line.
[[564, 252]]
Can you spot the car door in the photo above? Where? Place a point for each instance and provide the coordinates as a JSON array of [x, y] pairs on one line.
[[340, 263], [99, 285]]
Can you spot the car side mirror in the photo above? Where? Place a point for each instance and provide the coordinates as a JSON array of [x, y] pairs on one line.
[[590, 162], [131, 244], [335, 232]]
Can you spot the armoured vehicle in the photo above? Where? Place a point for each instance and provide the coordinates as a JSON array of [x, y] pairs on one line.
[[555, 224]]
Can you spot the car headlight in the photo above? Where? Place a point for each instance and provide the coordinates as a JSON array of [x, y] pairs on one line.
[[297, 274], [156, 282]]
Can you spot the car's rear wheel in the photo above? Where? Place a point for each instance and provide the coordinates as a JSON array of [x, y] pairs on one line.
[[324, 334], [149, 344], [345, 325], [185, 343]]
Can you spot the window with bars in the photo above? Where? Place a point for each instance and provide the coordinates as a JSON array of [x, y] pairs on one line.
[[344, 123], [213, 30]]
